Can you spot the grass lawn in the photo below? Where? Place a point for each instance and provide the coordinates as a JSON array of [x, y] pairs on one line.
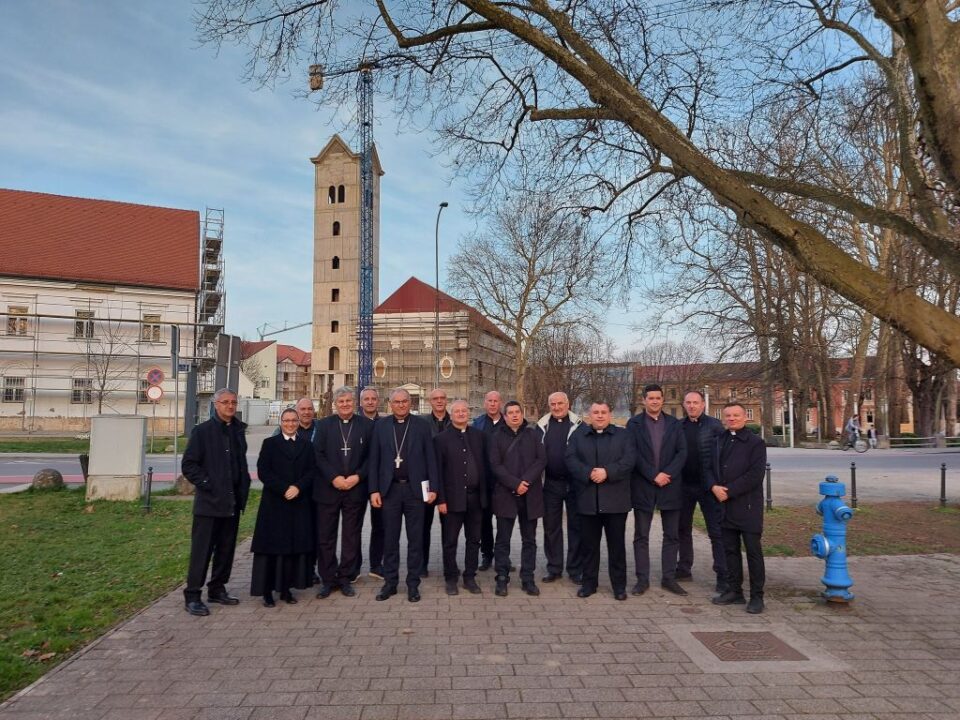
[[70, 570], [890, 528], [29, 444]]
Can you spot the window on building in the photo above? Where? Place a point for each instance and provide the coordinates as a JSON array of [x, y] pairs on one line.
[[13, 389], [868, 394], [336, 262], [331, 195], [334, 359], [480, 373], [144, 385], [334, 326], [749, 413], [749, 392], [81, 391], [83, 325], [336, 227], [150, 328], [733, 393], [264, 383], [335, 295], [673, 393], [286, 376], [341, 194], [17, 319]]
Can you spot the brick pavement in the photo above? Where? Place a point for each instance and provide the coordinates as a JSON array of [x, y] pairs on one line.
[[896, 647]]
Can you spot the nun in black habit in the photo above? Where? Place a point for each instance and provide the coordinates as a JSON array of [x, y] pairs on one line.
[[283, 538]]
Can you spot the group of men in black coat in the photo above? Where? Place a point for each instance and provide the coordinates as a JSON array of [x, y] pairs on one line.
[[500, 465]]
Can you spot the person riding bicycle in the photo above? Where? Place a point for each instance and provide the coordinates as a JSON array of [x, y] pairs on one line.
[[852, 429]]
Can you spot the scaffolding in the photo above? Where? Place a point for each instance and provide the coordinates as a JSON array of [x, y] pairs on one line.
[[211, 304]]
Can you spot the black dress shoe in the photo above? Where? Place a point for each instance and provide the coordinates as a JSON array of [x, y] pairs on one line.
[[551, 577], [585, 592], [640, 588], [347, 590], [413, 595], [755, 606], [730, 597], [288, 598], [721, 586], [501, 589], [485, 563], [451, 587], [268, 600], [196, 607], [683, 575], [325, 591], [387, 592], [621, 595], [470, 585], [671, 585], [530, 588], [223, 598]]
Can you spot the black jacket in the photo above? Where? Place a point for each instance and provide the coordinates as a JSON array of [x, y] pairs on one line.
[[710, 429], [285, 527], [417, 453], [612, 450], [514, 457], [646, 495], [451, 447], [206, 463], [741, 473], [328, 446]]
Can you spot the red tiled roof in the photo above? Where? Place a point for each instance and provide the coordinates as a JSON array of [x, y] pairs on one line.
[[102, 241], [249, 348], [294, 354], [415, 296]]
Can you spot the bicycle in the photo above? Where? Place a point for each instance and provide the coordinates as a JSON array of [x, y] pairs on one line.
[[858, 444]]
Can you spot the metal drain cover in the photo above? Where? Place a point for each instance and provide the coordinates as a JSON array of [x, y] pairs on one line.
[[748, 646]]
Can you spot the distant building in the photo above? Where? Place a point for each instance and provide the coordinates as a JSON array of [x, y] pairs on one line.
[[258, 362], [293, 373], [89, 292]]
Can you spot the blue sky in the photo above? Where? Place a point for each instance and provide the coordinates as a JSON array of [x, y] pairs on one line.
[[116, 100]]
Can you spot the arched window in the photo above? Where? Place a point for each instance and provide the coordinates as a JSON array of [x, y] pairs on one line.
[[334, 359], [336, 262], [341, 194], [334, 326], [331, 195], [336, 228], [335, 295]]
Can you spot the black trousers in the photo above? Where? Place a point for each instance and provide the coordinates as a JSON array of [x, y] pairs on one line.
[[528, 546], [486, 531], [328, 524], [376, 542], [403, 505], [450, 526], [554, 498], [641, 543], [210, 538], [712, 514], [428, 512], [755, 564], [614, 526]]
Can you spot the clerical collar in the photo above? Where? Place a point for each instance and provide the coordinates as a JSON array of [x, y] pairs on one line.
[[399, 420], [289, 437], [345, 422], [565, 418]]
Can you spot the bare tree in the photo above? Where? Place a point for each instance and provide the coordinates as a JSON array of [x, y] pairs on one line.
[[256, 372], [617, 103], [534, 267], [109, 362]]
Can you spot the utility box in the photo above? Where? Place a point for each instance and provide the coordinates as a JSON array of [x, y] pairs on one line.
[[117, 458]]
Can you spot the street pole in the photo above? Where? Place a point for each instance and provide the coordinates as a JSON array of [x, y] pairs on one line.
[[790, 404], [436, 303], [706, 399]]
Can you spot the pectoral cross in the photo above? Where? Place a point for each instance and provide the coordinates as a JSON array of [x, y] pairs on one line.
[[396, 462], [346, 449]]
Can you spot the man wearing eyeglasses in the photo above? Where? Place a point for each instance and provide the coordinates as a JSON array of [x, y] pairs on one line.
[[215, 461]]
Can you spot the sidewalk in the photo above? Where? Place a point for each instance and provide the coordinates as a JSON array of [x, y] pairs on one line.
[[893, 653]]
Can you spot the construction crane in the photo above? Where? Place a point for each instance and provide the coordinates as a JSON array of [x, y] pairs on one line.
[[364, 70], [262, 330]]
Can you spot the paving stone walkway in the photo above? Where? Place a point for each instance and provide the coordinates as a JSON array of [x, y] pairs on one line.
[[893, 653]]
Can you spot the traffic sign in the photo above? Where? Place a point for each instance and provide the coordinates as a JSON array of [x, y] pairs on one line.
[[154, 393], [155, 376]]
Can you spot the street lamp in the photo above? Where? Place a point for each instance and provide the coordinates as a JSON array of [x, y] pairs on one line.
[[436, 302]]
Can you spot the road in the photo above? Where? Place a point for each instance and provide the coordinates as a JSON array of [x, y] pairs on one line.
[[882, 475]]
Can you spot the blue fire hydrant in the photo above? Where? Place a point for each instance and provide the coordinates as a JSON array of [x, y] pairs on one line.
[[831, 545]]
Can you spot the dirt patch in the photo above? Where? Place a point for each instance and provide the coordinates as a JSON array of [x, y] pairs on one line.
[[894, 528]]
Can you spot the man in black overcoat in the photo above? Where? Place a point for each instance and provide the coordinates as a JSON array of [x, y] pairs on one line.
[[215, 461], [439, 420], [517, 461], [740, 463], [661, 451], [369, 408], [401, 459], [600, 460], [700, 431], [462, 495], [342, 445]]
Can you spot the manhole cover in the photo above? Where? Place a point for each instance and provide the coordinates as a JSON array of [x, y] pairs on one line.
[[750, 646]]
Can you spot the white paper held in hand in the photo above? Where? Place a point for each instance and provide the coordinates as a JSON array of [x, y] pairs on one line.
[[425, 486]]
